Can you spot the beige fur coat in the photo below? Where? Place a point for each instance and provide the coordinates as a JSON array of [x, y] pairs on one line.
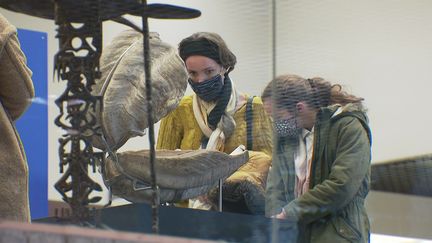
[[16, 92]]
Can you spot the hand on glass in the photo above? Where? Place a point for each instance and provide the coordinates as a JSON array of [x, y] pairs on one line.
[[281, 215]]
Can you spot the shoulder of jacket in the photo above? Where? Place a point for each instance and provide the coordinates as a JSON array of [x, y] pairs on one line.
[[186, 101], [6, 30], [350, 110], [257, 101], [183, 107]]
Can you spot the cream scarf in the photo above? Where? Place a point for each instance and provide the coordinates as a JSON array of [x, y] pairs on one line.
[[217, 137], [303, 162]]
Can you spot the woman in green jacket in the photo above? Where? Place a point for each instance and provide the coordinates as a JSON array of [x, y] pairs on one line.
[[321, 167]]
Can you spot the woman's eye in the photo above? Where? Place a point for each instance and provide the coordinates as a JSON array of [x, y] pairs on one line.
[[209, 72]]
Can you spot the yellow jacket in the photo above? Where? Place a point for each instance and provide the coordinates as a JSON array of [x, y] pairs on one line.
[[180, 130]]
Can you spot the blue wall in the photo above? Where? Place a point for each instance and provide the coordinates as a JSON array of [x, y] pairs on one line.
[[33, 125]]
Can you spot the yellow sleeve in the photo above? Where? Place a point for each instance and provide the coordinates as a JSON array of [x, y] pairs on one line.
[[262, 133], [249, 181], [257, 167], [179, 129], [170, 131]]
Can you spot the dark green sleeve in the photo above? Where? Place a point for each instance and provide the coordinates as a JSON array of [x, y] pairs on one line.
[[275, 193]]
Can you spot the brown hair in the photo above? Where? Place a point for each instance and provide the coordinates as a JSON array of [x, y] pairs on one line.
[[288, 90], [226, 57]]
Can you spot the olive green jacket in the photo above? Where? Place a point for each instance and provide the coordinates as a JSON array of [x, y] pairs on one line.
[[332, 210]]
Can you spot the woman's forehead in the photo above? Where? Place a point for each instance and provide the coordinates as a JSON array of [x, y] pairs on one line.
[[275, 111], [199, 63]]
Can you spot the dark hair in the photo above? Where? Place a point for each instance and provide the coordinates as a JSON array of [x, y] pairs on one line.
[[288, 90], [210, 45]]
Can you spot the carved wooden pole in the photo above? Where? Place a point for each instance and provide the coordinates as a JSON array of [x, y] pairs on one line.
[[77, 63]]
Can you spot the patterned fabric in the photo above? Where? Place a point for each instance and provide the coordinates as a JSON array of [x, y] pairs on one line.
[[286, 127]]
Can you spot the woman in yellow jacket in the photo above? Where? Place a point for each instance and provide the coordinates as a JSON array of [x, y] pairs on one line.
[[214, 117]]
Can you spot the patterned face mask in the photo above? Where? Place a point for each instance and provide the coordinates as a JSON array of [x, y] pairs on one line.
[[208, 90], [287, 127]]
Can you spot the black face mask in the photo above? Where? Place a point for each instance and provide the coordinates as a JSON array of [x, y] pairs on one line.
[[208, 90]]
